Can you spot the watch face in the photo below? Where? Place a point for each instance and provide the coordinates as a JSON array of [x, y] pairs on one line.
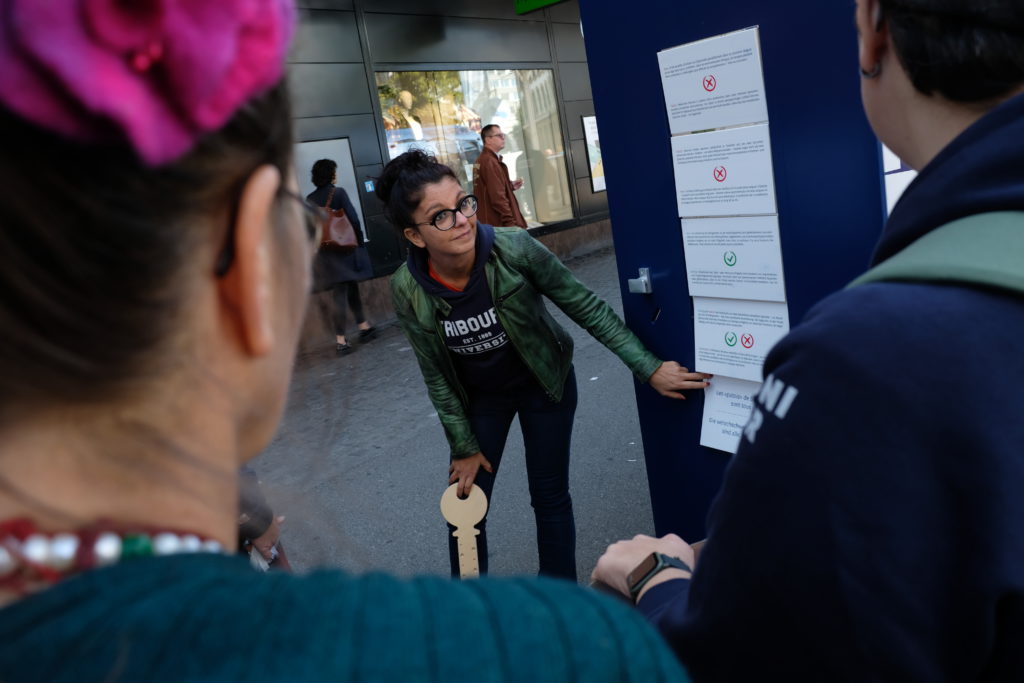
[[642, 570]]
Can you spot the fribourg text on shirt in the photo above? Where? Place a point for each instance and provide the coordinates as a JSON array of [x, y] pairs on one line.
[[475, 334]]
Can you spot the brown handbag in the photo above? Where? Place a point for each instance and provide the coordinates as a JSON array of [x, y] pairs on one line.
[[338, 233]]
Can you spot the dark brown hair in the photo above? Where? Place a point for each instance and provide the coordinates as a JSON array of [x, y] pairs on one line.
[[965, 50], [487, 130], [93, 245], [400, 186], [323, 172]]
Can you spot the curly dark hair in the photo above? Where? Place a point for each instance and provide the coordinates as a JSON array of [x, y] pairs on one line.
[[400, 186], [965, 50], [323, 172]]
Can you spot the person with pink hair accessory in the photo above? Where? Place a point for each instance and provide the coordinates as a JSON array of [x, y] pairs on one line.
[[158, 73], [154, 271]]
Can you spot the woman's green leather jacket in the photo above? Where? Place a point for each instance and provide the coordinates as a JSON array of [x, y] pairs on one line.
[[519, 270]]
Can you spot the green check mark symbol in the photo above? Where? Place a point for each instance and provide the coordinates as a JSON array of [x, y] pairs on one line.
[[730, 258], [730, 338]]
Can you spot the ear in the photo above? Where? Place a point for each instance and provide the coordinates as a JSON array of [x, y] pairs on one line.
[[415, 237], [246, 288], [873, 34]]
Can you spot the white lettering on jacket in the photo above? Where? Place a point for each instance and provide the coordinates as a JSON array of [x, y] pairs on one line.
[[775, 398]]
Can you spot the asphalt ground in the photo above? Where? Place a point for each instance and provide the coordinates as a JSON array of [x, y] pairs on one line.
[[360, 461]]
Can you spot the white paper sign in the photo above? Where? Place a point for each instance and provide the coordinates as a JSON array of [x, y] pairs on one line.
[[727, 405], [734, 258], [895, 184], [714, 83], [898, 177], [732, 336], [724, 173], [890, 162], [594, 159]]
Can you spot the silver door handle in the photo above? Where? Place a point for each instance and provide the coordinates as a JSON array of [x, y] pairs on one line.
[[642, 284]]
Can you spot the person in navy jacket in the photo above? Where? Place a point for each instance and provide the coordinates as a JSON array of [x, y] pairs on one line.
[[871, 525]]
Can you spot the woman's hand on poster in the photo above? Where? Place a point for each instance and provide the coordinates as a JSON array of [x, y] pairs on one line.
[[671, 378], [464, 471]]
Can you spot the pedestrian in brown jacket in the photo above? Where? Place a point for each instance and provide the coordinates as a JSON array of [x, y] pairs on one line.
[[491, 184]]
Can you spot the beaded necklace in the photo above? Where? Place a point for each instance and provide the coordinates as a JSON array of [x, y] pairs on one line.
[[29, 556]]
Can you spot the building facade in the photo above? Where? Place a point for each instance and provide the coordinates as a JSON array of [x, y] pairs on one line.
[[374, 78]]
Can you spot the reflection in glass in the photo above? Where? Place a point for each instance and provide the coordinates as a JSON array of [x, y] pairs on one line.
[[442, 113]]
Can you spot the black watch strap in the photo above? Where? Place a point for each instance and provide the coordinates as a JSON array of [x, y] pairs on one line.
[[649, 568]]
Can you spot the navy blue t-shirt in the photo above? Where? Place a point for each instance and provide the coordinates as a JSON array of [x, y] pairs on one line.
[[484, 356]]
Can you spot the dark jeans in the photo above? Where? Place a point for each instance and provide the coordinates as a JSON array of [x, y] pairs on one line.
[[346, 292], [547, 432]]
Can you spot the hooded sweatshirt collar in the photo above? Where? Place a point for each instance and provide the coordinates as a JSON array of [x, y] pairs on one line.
[[417, 263], [982, 170]]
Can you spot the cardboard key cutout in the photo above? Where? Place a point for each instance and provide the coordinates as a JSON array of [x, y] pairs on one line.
[[464, 516]]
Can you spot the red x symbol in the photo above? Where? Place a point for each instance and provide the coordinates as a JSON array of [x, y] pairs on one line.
[[710, 83], [747, 340], [720, 173]]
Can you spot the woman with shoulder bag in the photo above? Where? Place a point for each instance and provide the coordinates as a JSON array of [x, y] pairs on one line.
[[336, 269]]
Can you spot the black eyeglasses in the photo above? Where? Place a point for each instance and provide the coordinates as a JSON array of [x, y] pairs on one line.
[[312, 218], [445, 219]]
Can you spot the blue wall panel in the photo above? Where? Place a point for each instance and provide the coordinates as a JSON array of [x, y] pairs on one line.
[[827, 175]]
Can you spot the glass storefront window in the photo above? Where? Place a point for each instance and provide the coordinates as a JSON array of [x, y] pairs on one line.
[[442, 113]]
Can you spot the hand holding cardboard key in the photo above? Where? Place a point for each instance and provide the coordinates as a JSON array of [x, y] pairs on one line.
[[464, 514]]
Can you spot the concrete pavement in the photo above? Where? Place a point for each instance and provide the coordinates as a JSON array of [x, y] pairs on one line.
[[360, 461]]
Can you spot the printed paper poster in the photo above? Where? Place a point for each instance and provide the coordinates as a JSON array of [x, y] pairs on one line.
[[594, 160], [714, 83], [727, 406], [733, 336], [724, 173], [734, 258]]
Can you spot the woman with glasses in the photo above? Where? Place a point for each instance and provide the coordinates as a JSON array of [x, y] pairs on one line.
[[341, 271], [469, 298]]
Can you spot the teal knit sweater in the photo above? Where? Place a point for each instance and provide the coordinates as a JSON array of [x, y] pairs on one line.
[[212, 618]]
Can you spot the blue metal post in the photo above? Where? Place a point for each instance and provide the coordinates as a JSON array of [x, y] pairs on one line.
[[827, 173]]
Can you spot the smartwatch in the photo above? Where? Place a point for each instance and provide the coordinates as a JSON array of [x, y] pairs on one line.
[[646, 570]]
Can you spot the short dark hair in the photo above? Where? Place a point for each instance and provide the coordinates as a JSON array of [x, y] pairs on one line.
[[965, 50], [94, 245], [486, 130], [324, 171], [401, 184]]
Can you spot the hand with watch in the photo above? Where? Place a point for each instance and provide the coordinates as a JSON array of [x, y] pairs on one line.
[[633, 567]]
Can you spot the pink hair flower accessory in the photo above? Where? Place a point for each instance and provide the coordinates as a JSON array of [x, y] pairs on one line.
[[157, 74]]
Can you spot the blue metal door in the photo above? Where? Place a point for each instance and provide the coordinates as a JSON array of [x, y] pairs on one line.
[[828, 182]]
